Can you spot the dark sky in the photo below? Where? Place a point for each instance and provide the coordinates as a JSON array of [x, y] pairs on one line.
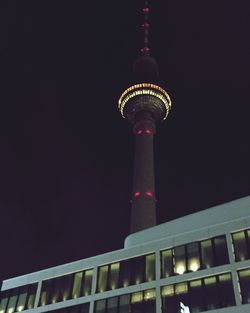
[[66, 154]]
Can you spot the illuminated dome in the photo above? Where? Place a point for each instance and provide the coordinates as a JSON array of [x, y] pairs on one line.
[[144, 97]]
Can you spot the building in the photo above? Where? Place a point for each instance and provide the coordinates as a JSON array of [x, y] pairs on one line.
[[201, 260], [197, 263]]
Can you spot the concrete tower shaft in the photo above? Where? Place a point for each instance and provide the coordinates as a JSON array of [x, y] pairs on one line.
[[144, 104], [143, 213]]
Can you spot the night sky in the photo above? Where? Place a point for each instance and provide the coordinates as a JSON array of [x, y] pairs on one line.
[[67, 155]]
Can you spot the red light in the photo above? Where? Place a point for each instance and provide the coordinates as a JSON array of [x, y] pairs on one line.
[[145, 50], [137, 194], [149, 193], [138, 132], [148, 131], [145, 10]]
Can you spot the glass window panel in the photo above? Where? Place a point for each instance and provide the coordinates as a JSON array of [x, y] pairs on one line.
[[244, 277], [125, 275], [138, 269], [169, 304], [23, 294], [31, 301], [211, 293], [100, 306], [150, 267], [102, 278], [248, 234], [44, 297], [65, 287], [180, 260], [196, 296], [181, 295], [55, 290], [84, 308], [149, 294], [167, 291], [167, 263], [221, 253], [112, 305], [137, 297], [149, 301], [31, 296], [181, 288], [240, 246], [87, 282], [193, 256], [124, 304], [226, 290], [114, 276], [77, 285], [12, 301], [4, 301], [207, 255], [73, 309], [137, 302]]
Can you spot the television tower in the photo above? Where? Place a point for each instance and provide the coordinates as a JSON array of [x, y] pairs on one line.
[[144, 104]]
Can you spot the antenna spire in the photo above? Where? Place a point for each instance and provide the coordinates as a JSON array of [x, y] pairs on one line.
[[145, 51]]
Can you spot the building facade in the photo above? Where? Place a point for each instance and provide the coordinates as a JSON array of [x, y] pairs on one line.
[[197, 263]]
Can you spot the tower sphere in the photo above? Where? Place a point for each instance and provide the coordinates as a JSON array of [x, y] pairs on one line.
[[145, 95]]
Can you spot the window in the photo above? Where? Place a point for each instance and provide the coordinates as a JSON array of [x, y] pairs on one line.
[[241, 244], [226, 290], [207, 254], [12, 301], [221, 253], [194, 256], [18, 299], [244, 279], [66, 287], [23, 295], [4, 301], [212, 295], [137, 302], [167, 263], [180, 260], [125, 273], [199, 295]]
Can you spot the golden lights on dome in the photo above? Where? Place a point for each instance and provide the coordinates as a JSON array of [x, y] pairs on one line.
[[145, 89]]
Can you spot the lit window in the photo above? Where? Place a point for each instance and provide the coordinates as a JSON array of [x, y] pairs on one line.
[[240, 246], [244, 278]]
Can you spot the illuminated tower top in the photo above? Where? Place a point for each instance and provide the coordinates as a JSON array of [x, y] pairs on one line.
[[144, 104]]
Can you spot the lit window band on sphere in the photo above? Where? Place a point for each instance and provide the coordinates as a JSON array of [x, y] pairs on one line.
[[145, 89]]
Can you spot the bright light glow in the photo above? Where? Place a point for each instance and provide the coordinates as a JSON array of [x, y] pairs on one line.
[[138, 281], [194, 266], [137, 194], [11, 310], [149, 193], [145, 89], [139, 131], [125, 283], [149, 131], [20, 308], [180, 269]]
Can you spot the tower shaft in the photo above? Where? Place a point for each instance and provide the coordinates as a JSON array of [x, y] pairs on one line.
[[143, 213]]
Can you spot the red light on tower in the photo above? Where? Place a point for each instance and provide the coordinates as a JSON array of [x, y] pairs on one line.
[[149, 193], [137, 194]]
